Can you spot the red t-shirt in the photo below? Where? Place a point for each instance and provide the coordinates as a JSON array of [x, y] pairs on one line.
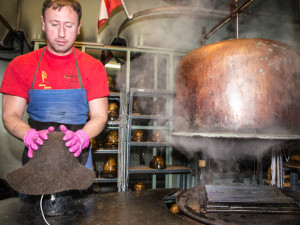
[[55, 72]]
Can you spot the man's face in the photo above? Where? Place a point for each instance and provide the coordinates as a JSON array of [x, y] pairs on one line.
[[61, 28]]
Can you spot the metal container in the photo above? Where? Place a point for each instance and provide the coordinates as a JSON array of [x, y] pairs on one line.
[[113, 111], [157, 162], [139, 186], [239, 86], [110, 168], [157, 136], [112, 139], [138, 136]]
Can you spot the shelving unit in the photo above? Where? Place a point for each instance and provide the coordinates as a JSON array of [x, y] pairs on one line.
[[162, 65], [166, 116], [120, 125]]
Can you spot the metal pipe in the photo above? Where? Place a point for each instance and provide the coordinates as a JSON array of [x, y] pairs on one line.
[[18, 15], [299, 13], [237, 10], [6, 24], [237, 20]]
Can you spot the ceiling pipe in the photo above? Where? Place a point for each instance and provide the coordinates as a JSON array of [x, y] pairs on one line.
[[234, 12]]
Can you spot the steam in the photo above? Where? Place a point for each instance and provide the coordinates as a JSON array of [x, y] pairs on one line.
[[225, 148], [182, 33]]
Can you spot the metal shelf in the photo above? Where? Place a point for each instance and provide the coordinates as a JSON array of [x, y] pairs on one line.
[[145, 127], [134, 92], [113, 123], [105, 151], [168, 170], [150, 117], [105, 180], [150, 144], [114, 94], [151, 93], [182, 171]]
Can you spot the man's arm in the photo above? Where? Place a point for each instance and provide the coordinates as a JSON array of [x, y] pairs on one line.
[[13, 108], [98, 117]]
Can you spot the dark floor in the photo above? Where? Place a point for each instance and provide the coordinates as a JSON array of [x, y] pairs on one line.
[[124, 208]]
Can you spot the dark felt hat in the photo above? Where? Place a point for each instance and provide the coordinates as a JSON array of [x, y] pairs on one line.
[[52, 169]]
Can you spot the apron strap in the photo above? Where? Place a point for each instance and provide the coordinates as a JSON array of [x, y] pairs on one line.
[[32, 84], [78, 71]]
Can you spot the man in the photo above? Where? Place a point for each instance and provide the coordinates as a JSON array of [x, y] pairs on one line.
[[59, 83]]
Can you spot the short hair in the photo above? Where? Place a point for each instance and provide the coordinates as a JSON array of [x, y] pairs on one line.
[[58, 4]]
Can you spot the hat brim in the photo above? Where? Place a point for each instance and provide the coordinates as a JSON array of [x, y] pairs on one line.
[[52, 169], [50, 182]]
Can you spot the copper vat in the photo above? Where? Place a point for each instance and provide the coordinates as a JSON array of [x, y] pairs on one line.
[[239, 86]]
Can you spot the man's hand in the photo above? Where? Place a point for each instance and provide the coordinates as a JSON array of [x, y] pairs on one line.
[[34, 138], [75, 140]]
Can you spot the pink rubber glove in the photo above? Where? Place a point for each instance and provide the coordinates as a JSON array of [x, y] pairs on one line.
[[75, 140], [33, 138]]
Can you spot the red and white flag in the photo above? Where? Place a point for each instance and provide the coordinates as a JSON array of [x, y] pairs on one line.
[[106, 7]]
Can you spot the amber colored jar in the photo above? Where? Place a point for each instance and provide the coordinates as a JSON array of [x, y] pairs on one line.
[[94, 143], [111, 84], [109, 168], [139, 186], [157, 162], [138, 136], [175, 209], [113, 111], [157, 136], [112, 139]]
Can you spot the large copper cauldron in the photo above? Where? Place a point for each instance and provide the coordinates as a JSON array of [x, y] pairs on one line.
[[242, 85]]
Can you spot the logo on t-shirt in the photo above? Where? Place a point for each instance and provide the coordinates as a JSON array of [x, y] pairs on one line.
[[72, 80], [44, 83]]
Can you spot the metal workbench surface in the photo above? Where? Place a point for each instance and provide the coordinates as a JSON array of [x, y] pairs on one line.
[[122, 208]]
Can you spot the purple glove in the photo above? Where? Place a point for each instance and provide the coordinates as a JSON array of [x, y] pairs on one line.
[[75, 140], [33, 138]]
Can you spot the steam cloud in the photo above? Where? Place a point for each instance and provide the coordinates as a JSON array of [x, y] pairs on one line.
[[257, 21]]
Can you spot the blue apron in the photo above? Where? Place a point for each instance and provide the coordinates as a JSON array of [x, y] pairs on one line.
[[59, 106]]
